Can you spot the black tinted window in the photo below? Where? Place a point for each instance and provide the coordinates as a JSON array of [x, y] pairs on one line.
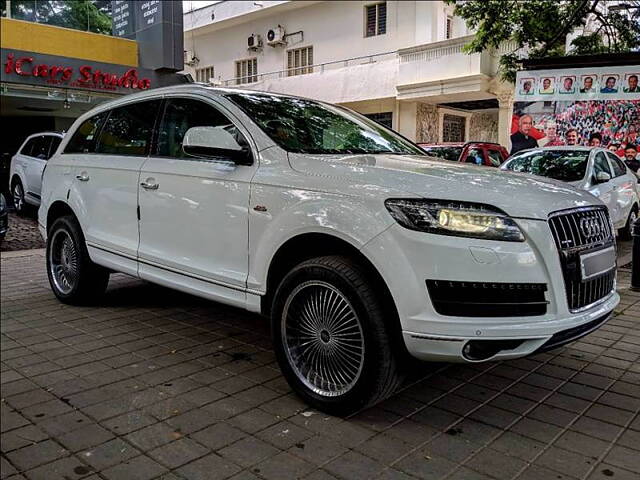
[[128, 129], [28, 147], [84, 138], [55, 142], [180, 115], [41, 148]]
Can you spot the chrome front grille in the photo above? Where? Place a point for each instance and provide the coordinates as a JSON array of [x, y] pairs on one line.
[[581, 228], [576, 232]]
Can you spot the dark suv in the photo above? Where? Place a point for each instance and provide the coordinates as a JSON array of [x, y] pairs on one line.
[[477, 153]]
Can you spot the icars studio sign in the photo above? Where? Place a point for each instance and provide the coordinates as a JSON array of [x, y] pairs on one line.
[[30, 70]]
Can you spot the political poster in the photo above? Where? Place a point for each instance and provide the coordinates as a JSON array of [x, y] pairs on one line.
[[579, 106]]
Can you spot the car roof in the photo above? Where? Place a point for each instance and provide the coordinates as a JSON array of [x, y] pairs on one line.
[[54, 134]]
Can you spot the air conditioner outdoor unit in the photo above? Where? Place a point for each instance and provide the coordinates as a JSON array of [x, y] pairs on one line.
[[275, 37], [190, 58], [254, 42]]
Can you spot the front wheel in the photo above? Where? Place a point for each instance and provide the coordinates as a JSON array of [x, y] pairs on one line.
[[330, 336], [73, 277], [625, 232]]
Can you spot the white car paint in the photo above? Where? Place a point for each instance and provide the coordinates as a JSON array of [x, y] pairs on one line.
[[620, 194], [27, 169], [212, 228]]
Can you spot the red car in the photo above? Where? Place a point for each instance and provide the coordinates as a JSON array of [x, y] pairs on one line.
[[477, 153]]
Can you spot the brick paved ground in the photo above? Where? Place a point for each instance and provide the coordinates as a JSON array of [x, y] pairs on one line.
[[23, 233], [157, 384]]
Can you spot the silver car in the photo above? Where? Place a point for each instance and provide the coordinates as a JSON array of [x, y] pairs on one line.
[[595, 170]]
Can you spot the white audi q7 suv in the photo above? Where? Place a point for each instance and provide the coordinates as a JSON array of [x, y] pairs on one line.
[[358, 246]]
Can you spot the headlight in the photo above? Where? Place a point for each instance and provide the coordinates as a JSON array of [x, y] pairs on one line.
[[460, 219]]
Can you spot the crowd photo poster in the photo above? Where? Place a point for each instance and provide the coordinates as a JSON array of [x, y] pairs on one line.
[[580, 106]]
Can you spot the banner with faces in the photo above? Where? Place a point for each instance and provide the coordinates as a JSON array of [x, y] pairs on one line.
[[600, 83]]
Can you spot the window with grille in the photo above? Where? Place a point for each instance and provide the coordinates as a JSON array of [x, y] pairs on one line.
[[247, 71], [384, 118], [299, 61], [449, 28], [204, 74], [453, 128], [375, 19]]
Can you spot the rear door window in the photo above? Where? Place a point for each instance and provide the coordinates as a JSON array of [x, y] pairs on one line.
[[41, 147], [128, 129], [85, 137]]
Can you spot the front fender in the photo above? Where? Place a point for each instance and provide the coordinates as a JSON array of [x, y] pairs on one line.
[[292, 212]]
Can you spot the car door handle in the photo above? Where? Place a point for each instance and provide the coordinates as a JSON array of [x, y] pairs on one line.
[[149, 186], [83, 177]]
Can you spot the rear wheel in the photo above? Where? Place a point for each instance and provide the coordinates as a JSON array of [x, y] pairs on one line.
[[625, 232], [330, 336], [17, 192], [73, 277]]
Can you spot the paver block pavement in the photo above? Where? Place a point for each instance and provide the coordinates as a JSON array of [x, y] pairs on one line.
[[154, 384]]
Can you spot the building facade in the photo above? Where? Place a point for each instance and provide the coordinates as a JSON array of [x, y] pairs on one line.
[[400, 62]]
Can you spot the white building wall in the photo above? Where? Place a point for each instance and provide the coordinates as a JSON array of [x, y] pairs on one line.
[[334, 29]]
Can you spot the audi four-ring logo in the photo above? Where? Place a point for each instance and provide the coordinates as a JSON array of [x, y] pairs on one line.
[[590, 227]]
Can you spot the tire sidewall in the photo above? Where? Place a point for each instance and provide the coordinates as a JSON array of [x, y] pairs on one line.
[[19, 209], [376, 351], [72, 228]]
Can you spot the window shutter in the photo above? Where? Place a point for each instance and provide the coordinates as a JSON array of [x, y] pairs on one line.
[[371, 20], [382, 18]]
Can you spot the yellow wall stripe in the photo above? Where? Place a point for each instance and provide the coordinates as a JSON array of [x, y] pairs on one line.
[[65, 42]]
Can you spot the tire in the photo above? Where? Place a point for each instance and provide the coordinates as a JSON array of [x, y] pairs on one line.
[[17, 194], [73, 277], [625, 232], [330, 336]]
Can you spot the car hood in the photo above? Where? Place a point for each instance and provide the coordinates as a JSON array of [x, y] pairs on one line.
[[516, 194]]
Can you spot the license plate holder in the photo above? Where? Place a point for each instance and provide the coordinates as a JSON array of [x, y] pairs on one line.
[[594, 264]]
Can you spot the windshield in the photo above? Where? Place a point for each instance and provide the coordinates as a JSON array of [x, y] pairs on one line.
[[448, 153], [565, 165], [304, 126]]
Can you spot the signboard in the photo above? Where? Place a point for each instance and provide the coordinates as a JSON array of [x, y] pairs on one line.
[[39, 69], [123, 18], [572, 106], [157, 26]]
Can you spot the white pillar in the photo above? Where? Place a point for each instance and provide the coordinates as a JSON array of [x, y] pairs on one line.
[[505, 112], [408, 119]]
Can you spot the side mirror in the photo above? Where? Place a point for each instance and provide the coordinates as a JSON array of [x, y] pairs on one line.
[[602, 177], [216, 143]]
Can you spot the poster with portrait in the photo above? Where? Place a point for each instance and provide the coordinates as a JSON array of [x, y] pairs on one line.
[[578, 106]]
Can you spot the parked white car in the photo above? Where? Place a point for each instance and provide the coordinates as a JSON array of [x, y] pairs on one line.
[[596, 170], [25, 173], [358, 246]]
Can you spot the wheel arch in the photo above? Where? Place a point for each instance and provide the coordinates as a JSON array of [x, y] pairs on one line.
[[58, 209], [313, 244]]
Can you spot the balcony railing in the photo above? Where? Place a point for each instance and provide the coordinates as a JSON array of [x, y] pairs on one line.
[[315, 68]]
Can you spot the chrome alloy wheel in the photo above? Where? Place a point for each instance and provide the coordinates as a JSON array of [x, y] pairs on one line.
[[18, 197], [323, 339], [63, 261]]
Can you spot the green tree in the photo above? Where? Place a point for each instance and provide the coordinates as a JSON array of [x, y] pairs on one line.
[[540, 27], [88, 15]]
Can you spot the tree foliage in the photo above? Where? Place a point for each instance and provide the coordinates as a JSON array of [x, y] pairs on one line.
[[540, 27], [88, 15]]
